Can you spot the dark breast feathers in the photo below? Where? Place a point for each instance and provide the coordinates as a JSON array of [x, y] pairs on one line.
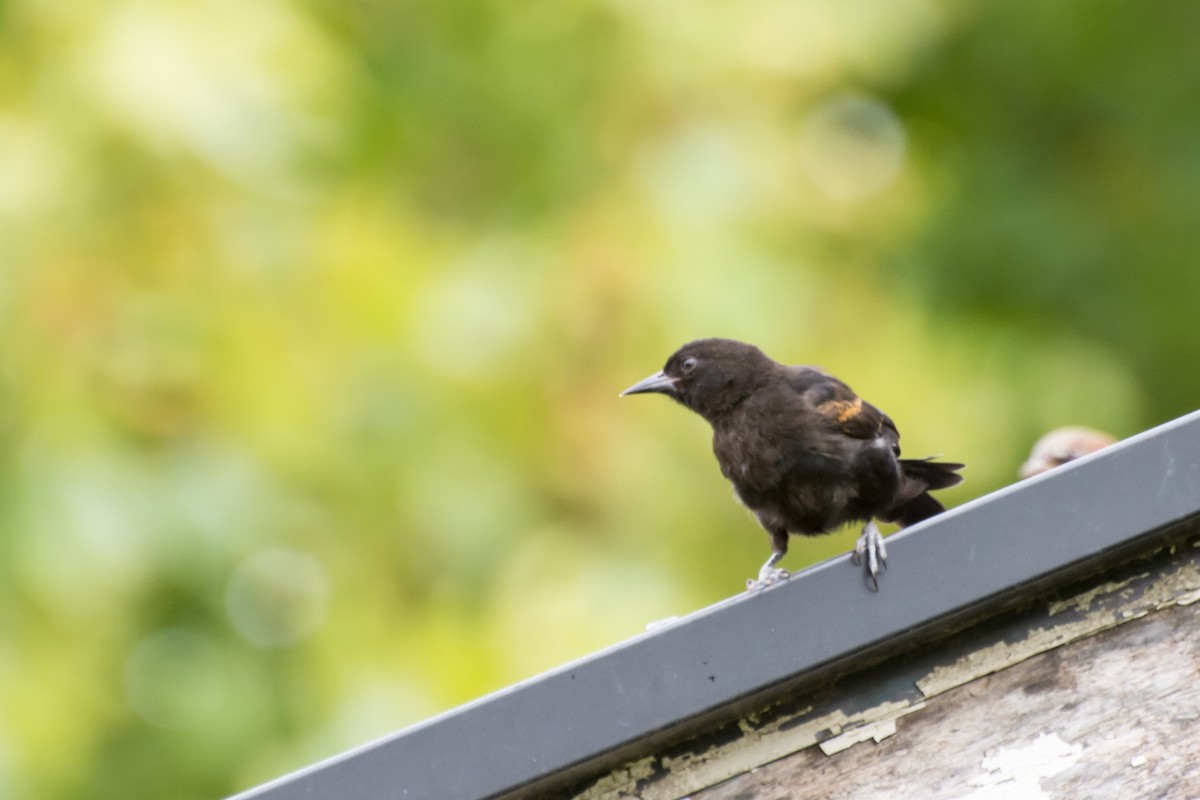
[[808, 455]]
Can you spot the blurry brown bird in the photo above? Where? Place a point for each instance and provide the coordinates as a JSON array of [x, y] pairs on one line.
[[1062, 445], [803, 451]]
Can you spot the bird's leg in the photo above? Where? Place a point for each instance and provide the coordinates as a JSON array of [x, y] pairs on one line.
[[769, 573], [871, 543]]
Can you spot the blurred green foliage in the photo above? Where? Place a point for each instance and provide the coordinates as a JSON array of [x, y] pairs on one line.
[[314, 317]]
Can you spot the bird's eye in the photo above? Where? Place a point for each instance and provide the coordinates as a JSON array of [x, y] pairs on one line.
[[689, 364]]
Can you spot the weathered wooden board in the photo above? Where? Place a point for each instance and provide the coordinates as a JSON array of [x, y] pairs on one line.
[[1112, 661], [1113, 715]]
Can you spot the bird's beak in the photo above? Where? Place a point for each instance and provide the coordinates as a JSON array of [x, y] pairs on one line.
[[659, 382]]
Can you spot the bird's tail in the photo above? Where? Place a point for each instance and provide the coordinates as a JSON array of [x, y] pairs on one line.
[[934, 474], [920, 477]]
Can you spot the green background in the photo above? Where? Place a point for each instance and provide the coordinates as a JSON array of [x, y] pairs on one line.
[[313, 317]]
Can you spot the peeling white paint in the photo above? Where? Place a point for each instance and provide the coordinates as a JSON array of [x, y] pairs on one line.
[[1163, 593], [1188, 599], [1016, 773], [1083, 601], [876, 730]]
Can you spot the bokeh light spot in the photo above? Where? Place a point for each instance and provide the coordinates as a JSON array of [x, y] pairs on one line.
[[852, 147], [277, 597]]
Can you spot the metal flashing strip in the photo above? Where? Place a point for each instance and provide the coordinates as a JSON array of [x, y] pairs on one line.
[[962, 560]]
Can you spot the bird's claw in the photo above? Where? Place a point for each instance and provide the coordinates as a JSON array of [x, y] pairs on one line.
[[871, 549], [766, 577]]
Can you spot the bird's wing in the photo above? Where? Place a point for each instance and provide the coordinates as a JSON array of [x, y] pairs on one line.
[[891, 432], [840, 408]]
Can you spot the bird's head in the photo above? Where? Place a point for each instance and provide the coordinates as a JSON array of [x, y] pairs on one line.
[[1062, 445], [709, 376]]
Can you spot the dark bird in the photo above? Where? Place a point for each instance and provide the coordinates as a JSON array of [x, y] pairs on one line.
[[1062, 445], [803, 451]]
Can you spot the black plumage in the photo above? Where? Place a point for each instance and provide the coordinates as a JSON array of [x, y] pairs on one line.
[[802, 450]]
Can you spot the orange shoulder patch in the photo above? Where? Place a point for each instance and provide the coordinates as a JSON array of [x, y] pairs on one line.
[[841, 411]]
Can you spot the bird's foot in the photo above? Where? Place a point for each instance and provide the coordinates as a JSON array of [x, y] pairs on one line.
[[871, 545], [766, 577]]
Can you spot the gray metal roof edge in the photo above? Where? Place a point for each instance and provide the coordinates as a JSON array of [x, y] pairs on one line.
[[960, 560]]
